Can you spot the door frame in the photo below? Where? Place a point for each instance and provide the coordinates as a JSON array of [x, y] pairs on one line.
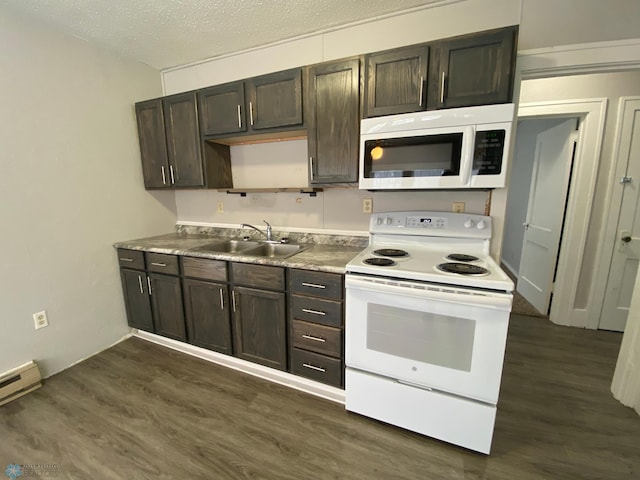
[[612, 206], [591, 113], [596, 57]]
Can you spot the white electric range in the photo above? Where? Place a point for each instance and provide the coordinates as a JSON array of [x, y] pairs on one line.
[[427, 312]]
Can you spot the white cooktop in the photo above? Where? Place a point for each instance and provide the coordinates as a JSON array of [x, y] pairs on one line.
[[429, 237]]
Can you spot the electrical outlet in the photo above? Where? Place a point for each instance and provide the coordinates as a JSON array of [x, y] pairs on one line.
[[220, 207], [458, 207], [40, 319], [367, 205]]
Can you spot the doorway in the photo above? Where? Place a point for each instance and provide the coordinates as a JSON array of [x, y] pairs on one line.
[[536, 206]]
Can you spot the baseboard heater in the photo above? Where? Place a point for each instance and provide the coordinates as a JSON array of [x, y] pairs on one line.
[[19, 381]]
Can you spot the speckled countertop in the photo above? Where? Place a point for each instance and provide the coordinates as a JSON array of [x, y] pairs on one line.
[[324, 253]]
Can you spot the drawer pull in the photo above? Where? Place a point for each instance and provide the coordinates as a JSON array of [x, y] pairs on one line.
[[315, 339], [314, 312], [313, 285], [122, 259], [313, 367], [158, 264]]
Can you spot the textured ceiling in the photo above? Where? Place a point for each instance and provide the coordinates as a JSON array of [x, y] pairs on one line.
[[166, 33]]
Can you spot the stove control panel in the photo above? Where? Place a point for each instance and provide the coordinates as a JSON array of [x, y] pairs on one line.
[[429, 223]]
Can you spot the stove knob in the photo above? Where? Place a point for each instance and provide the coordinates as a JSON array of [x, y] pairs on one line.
[[481, 225], [469, 223], [379, 221], [388, 220]]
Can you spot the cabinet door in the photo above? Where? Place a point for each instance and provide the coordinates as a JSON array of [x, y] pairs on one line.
[[183, 140], [206, 307], [333, 125], [472, 70], [260, 326], [221, 109], [153, 146], [166, 304], [275, 100], [396, 81], [136, 299]]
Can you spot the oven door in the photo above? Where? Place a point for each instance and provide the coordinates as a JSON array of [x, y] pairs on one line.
[[417, 159], [443, 338]]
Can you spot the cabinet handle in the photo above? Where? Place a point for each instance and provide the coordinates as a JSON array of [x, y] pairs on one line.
[[251, 112], [164, 177], [173, 179], [442, 81], [313, 285], [421, 90], [314, 312], [311, 163], [157, 264], [233, 300], [315, 339], [140, 283], [123, 259], [221, 300], [149, 284], [239, 117], [313, 367]]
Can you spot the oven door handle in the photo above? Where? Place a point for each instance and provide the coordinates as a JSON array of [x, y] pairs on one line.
[[495, 300]]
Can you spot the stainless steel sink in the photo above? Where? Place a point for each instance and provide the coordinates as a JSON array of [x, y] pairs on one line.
[[273, 250], [227, 246]]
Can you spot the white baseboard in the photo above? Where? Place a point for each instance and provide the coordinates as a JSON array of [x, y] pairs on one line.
[[277, 376]]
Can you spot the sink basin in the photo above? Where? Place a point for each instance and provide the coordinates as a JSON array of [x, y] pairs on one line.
[[271, 250], [227, 246]]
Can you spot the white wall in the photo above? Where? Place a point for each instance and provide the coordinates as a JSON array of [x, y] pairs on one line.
[[71, 186]]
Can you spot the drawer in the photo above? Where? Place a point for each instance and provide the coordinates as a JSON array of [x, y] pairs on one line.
[[204, 268], [317, 284], [260, 276], [162, 263], [316, 367], [316, 310], [317, 338], [131, 258]]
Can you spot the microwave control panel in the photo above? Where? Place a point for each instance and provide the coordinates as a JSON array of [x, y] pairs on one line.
[[488, 152]]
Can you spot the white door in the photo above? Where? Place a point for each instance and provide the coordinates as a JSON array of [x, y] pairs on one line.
[[545, 213], [624, 263]]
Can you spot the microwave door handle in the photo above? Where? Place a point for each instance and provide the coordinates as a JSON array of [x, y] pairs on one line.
[[466, 160]]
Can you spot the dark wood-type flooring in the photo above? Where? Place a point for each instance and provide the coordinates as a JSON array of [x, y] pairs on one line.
[[141, 411]]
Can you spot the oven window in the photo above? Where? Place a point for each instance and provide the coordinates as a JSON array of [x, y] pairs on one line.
[[425, 156], [421, 336]]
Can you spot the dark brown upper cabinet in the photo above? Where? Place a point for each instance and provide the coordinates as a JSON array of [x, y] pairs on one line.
[[173, 154], [396, 81], [153, 145], [474, 69], [250, 106], [333, 123]]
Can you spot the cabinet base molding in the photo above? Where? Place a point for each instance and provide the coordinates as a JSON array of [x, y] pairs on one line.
[[283, 378]]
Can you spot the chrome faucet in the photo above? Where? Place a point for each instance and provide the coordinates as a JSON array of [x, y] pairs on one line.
[[268, 234]]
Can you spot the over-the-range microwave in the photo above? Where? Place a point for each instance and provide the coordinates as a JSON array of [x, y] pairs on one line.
[[454, 148]]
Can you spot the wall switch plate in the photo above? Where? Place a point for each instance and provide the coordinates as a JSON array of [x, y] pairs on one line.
[[367, 205], [40, 319], [457, 207], [220, 208]]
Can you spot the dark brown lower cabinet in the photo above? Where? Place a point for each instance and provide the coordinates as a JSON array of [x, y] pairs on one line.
[[136, 299], [260, 326], [167, 306], [206, 308]]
